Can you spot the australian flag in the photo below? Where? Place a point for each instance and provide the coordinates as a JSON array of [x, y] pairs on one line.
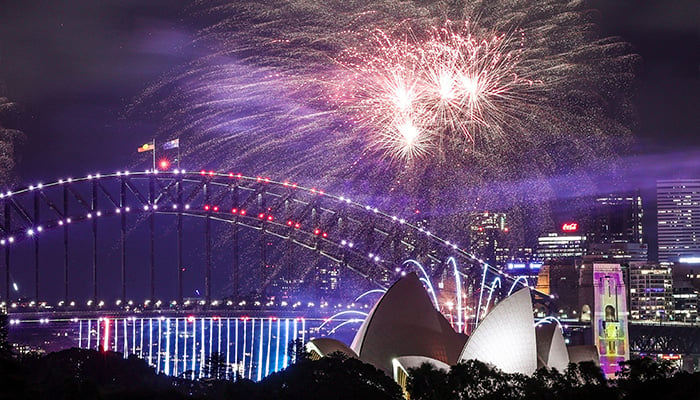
[[171, 144]]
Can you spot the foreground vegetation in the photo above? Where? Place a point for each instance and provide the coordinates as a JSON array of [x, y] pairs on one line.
[[89, 374], [78, 374], [639, 379]]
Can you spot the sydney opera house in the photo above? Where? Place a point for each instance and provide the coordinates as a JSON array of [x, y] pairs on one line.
[[404, 330]]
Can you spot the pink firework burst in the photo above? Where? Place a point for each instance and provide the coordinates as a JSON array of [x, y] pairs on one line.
[[415, 92]]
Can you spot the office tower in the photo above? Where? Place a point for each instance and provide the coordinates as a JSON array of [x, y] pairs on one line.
[[686, 291], [617, 219], [560, 247], [650, 291], [487, 237], [327, 279], [678, 219], [615, 232]]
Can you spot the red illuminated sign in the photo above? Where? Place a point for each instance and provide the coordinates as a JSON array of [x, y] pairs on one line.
[[570, 227]]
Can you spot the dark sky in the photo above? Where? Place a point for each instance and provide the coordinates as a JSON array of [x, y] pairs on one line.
[[667, 36], [74, 66]]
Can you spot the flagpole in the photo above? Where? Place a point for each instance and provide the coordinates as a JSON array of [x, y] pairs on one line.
[[178, 153], [154, 154]]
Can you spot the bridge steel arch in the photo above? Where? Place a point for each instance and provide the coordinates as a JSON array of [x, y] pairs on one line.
[[358, 236], [648, 337]]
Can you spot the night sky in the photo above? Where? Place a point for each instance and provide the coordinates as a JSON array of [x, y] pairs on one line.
[[667, 36], [75, 66]]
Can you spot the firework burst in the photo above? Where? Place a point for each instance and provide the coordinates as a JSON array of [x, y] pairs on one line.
[[446, 107], [413, 92]]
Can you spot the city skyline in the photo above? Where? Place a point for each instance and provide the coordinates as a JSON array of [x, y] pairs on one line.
[[199, 182], [75, 80]]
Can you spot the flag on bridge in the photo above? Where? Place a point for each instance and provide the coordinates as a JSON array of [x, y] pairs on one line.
[[172, 144], [147, 147]]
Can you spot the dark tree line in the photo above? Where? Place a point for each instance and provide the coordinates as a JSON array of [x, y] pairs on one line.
[[88, 374], [638, 379]]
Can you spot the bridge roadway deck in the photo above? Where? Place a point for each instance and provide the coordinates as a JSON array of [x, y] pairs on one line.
[[290, 312]]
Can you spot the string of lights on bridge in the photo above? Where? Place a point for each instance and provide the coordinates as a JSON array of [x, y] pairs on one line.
[[215, 208], [267, 217]]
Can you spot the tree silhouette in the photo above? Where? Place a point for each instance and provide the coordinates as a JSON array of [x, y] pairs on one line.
[[5, 345], [644, 369], [471, 379], [475, 380], [645, 378], [331, 377], [296, 351], [215, 367], [89, 374], [428, 383]]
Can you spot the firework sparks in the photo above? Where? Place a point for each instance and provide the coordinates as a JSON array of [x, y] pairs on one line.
[[10, 140], [386, 97], [413, 90]]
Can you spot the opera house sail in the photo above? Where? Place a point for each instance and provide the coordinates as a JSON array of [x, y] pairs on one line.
[[405, 322], [505, 338], [404, 330]]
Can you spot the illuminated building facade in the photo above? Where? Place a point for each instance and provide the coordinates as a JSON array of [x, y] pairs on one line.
[[651, 291], [686, 291], [551, 346], [609, 319], [685, 303], [619, 252], [487, 237], [506, 337], [405, 322], [404, 330], [528, 270], [560, 280], [678, 219], [556, 246], [327, 279]]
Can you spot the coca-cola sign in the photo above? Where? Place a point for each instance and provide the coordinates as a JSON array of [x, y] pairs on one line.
[[570, 227]]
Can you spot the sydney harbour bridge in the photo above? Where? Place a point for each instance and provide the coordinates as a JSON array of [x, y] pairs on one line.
[[82, 247], [221, 210]]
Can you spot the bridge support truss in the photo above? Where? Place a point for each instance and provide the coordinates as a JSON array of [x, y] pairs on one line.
[[356, 236]]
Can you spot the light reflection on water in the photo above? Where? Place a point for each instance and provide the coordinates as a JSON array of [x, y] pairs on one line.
[[180, 346]]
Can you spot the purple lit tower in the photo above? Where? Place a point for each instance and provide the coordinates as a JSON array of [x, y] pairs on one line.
[[610, 317]]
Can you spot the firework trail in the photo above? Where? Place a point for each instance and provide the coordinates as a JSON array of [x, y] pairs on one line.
[[447, 107], [10, 141]]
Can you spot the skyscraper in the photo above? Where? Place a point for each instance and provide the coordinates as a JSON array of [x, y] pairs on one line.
[[678, 218], [487, 237], [617, 218], [651, 291], [327, 279], [615, 233]]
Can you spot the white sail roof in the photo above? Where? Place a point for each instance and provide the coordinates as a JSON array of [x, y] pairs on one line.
[[405, 323], [505, 338]]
